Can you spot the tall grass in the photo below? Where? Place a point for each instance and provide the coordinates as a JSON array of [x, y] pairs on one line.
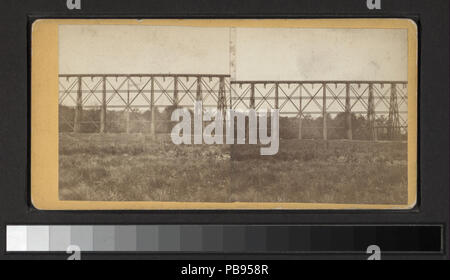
[[119, 167]]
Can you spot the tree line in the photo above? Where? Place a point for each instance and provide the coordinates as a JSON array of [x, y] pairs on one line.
[[116, 122]]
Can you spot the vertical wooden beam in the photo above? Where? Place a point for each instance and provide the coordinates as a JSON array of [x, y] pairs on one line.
[[222, 99], [252, 106], [231, 95], [79, 107], [300, 119], [324, 113], [152, 107], [127, 110], [223, 107], [374, 118], [199, 98], [390, 118], [371, 114], [277, 100], [252, 96], [175, 91], [104, 108], [348, 112], [394, 123], [199, 89], [221, 102]]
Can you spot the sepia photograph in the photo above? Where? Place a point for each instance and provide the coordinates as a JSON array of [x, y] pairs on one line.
[[214, 114], [225, 130]]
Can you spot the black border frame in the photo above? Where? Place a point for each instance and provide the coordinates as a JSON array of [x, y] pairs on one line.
[[433, 149]]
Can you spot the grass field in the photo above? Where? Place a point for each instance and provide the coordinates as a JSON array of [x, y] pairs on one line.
[[120, 167]]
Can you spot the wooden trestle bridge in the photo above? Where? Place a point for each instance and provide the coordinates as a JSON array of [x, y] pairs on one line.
[[297, 99]]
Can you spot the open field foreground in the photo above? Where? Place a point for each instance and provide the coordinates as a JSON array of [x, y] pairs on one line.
[[135, 167]]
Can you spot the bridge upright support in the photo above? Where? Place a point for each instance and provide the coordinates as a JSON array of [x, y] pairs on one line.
[[253, 107], [152, 107], [252, 96], [79, 107], [199, 98], [324, 110], [128, 108], [394, 122], [175, 91], [222, 101], [371, 115], [230, 92], [103, 109], [300, 119], [222, 106], [348, 113], [277, 96]]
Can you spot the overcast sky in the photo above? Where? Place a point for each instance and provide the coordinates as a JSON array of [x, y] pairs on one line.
[[262, 53]]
